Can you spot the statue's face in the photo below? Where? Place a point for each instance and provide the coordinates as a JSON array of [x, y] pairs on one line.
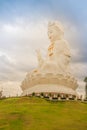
[[54, 34]]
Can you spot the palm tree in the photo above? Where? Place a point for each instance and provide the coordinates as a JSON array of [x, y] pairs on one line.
[[85, 80]]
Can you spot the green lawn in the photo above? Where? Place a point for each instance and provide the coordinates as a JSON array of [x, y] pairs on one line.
[[28, 113]]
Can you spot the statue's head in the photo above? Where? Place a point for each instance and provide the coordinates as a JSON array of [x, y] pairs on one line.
[[55, 31]]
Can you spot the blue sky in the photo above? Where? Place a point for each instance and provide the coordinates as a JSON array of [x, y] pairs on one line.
[[74, 10], [23, 29]]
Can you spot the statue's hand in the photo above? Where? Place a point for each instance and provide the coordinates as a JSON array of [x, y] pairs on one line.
[[38, 54], [39, 57], [38, 51]]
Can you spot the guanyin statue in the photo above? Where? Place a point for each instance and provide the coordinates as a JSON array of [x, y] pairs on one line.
[[53, 72], [58, 53]]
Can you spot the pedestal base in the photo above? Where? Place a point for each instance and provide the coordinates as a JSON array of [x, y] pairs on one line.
[[49, 88]]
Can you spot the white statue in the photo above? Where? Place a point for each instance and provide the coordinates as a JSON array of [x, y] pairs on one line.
[[52, 73], [58, 55]]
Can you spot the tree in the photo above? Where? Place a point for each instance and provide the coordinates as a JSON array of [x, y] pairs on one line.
[[33, 94], [85, 80]]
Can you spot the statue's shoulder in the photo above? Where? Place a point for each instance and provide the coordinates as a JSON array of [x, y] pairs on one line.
[[62, 42], [65, 42]]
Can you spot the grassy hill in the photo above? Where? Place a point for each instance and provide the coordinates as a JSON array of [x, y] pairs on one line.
[[31, 113]]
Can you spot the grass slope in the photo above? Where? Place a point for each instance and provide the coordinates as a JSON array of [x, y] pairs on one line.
[[38, 114]]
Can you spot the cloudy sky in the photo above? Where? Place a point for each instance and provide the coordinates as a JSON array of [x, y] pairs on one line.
[[23, 29]]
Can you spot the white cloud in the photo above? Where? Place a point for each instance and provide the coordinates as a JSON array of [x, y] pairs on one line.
[[10, 88], [79, 70]]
